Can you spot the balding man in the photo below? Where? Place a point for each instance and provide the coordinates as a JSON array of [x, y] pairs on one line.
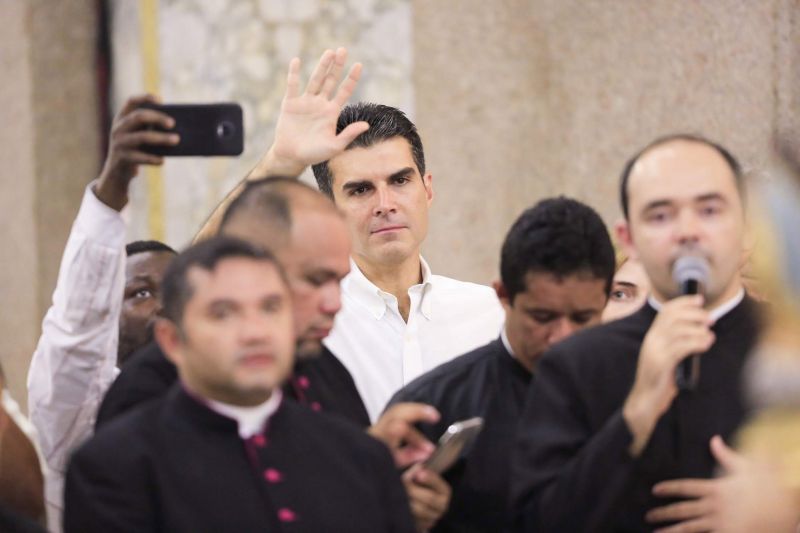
[[606, 432]]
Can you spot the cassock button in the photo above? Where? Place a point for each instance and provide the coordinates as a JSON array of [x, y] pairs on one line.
[[259, 440], [303, 382], [316, 406], [286, 515], [273, 476]]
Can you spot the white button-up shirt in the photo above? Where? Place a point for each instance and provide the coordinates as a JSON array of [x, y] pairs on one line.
[[383, 353]]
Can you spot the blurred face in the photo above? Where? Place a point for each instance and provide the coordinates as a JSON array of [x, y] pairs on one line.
[[316, 259], [385, 201], [140, 303], [236, 340], [628, 292], [550, 309], [683, 199]]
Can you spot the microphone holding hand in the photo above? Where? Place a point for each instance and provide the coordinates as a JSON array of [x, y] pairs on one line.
[[691, 273]]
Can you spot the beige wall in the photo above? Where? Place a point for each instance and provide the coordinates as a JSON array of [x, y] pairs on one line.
[[49, 149], [521, 99]]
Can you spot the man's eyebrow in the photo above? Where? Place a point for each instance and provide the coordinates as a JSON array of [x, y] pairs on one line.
[[625, 283], [710, 196], [351, 185], [402, 173], [655, 204]]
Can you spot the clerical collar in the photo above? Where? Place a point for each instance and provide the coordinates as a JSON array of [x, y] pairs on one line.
[[506, 343], [716, 313], [250, 419]]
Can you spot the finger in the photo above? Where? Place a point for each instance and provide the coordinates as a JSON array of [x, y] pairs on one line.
[[136, 157], [425, 499], [142, 118], [685, 488], [694, 343], [134, 102], [150, 137], [412, 412], [348, 85], [428, 478], [335, 73], [415, 448], [349, 134], [321, 70], [725, 456], [698, 525], [293, 79], [679, 511], [422, 514]]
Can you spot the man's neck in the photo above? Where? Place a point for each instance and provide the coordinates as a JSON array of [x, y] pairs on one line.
[[731, 292], [395, 278]]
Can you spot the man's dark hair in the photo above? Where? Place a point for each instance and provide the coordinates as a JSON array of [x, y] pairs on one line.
[[138, 247], [385, 123], [736, 168], [558, 236], [176, 290]]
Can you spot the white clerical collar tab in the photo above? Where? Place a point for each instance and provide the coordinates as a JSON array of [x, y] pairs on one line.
[[251, 420]]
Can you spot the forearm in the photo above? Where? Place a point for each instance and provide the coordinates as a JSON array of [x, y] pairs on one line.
[[269, 166]]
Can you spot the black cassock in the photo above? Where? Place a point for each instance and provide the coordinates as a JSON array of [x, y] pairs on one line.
[[487, 382], [321, 383], [175, 465], [572, 470]]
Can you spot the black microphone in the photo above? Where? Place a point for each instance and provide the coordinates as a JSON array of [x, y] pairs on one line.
[[691, 273]]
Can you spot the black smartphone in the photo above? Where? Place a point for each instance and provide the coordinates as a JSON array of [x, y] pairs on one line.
[[455, 438], [205, 129]]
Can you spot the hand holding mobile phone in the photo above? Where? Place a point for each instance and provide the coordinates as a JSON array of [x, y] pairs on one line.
[[204, 129], [455, 438]]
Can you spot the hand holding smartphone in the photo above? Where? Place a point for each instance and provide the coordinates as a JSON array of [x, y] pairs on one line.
[[204, 129], [457, 436]]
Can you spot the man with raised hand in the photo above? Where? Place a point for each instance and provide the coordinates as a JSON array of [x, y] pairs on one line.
[[607, 440]]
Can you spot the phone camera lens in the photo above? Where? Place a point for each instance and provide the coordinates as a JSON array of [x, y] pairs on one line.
[[225, 129]]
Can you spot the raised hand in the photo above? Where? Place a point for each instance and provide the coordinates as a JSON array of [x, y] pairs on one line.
[[305, 133], [132, 128]]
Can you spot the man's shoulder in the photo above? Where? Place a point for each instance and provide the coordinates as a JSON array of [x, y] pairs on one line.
[[448, 378], [302, 422], [126, 436], [467, 288]]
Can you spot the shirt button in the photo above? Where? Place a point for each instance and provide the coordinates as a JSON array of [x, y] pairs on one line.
[[303, 382], [286, 515], [316, 406], [273, 476], [259, 440]]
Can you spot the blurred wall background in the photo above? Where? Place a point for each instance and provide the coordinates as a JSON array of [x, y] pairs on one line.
[[516, 100]]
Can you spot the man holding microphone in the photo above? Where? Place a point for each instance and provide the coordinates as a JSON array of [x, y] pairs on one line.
[[619, 434]]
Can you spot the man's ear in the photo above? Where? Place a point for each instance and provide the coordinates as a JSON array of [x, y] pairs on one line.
[[169, 339], [622, 230], [502, 294], [427, 181]]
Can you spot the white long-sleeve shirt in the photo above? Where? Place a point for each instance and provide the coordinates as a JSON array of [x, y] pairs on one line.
[[75, 360], [383, 352]]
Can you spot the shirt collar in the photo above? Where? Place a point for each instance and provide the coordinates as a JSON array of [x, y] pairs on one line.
[[377, 300], [716, 313], [251, 420], [506, 343]]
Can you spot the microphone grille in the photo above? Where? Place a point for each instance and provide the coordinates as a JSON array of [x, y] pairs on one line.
[[691, 267]]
